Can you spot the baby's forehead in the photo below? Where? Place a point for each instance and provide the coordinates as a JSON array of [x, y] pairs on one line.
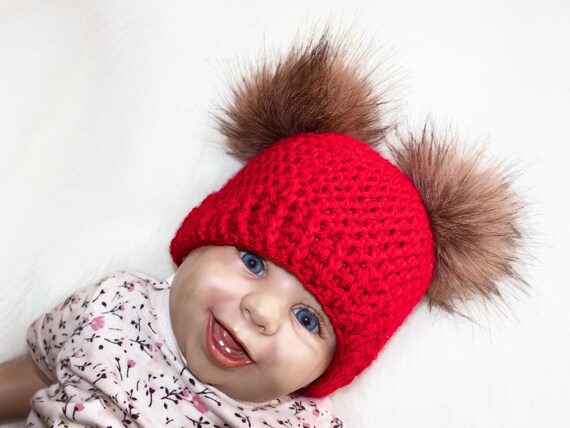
[[274, 267]]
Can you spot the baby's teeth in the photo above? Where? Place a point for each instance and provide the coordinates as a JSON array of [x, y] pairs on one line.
[[223, 345]]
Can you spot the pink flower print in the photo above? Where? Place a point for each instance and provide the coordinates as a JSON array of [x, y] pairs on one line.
[[130, 287], [306, 425], [185, 394], [130, 363], [199, 404], [159, 345], [316, 412], [77, 408], [150, 348], [97, 323], [121, 307]]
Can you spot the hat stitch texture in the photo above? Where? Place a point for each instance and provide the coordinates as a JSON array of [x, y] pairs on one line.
[[341, 218]]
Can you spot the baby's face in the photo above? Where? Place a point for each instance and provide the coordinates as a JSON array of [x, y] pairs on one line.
[[247, 326]]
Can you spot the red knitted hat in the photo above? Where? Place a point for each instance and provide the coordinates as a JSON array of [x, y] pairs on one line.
[[346, 222], [316, 199]]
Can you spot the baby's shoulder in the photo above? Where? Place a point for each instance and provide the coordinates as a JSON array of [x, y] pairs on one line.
[[127, 281], [121, 286]]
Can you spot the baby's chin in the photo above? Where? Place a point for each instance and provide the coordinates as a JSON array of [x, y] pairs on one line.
[[242, 385], [251, 383]]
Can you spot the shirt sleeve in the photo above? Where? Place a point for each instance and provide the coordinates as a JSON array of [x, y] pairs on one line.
[[48, 334], [315, 413]]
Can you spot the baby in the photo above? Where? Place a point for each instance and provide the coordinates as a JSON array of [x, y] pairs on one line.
[[291, 277]]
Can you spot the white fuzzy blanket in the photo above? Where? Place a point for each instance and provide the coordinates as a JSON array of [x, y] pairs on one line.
[[106, 141]]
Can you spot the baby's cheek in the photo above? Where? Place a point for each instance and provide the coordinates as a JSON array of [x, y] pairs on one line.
[[301, 362]]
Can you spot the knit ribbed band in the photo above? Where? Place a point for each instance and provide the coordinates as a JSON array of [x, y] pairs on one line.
[[350, 226]]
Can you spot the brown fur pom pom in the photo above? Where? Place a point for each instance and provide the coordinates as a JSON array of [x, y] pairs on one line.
[[319, 86], [473, 213]]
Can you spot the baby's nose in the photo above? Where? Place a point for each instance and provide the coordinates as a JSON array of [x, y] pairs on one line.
[[265, 310]]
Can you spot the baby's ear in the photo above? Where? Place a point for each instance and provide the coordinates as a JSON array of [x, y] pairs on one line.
[[474, 215]]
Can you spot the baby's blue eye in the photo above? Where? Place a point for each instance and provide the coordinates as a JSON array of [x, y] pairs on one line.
[[307, 319], [253, 262]]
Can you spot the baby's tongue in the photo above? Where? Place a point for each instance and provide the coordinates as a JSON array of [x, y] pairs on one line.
[[220, 333]]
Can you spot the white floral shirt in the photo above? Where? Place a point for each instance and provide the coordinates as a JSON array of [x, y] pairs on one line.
[[112, 355]]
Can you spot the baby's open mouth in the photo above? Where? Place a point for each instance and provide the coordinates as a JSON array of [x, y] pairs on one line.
[[223, 346]]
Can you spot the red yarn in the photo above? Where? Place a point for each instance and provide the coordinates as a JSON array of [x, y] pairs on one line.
[[345, 221]]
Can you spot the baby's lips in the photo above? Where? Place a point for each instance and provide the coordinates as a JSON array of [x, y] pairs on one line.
[[224, 347], [230, 341]]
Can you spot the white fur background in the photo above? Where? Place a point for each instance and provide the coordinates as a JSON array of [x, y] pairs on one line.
[[106, 141]]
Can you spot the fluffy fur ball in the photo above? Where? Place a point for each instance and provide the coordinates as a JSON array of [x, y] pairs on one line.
[[474, 214], [318, 86]]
